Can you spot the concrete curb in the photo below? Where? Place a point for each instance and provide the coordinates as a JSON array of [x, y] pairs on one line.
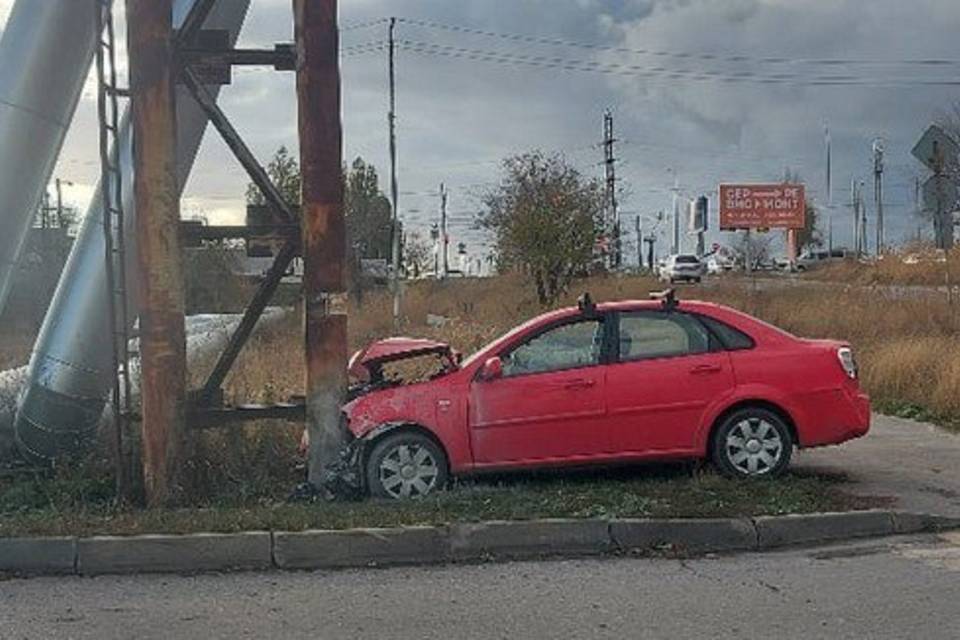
[[360, 548], [526, 539], [174, 554]]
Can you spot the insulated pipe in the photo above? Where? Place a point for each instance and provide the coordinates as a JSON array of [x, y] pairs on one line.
[[207, 335], [71, 372], [47, 47]]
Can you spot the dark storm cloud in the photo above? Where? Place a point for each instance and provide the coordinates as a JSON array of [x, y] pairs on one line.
[[459, 117]]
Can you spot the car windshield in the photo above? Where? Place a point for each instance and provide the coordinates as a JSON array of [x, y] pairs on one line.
[[688, 260]]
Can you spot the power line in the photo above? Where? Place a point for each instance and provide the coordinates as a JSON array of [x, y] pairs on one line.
[[366, 47], [353, 26], [683, 55], [744, 77]]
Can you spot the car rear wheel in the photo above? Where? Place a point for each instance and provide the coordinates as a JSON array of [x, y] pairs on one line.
[[751, 443], [406, 465]]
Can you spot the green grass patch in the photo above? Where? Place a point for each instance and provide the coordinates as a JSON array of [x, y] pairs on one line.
[[912, 411], [31, 507]]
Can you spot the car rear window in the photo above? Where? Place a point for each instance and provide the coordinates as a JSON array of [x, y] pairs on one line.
[[687, 260], [731, 339]]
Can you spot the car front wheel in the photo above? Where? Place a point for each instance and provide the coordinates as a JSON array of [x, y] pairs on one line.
[[752, 442], [406, 465]]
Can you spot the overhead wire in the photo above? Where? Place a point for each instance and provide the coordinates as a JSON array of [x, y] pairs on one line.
[[592, 66], [683, 55]]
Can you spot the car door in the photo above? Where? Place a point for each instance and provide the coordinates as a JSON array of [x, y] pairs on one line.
[[669, 368], [549, 403]]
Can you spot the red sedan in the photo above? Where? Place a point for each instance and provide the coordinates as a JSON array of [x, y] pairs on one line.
[[613, 383]]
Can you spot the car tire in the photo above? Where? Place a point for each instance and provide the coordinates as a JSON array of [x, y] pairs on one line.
[[752, 442], [406, 465]]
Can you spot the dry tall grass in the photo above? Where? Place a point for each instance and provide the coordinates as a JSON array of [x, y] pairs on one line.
[[923, 266], [907, 344]]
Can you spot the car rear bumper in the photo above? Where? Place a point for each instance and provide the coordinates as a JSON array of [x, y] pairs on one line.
[[841, 415]]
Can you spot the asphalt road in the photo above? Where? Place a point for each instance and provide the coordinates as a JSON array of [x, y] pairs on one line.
[[893, 588]]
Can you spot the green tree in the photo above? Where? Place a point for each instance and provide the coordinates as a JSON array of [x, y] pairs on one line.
[[546, 218], [284, 172], [368, 212]]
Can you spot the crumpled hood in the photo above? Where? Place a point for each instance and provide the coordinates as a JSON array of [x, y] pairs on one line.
[[391, 350]]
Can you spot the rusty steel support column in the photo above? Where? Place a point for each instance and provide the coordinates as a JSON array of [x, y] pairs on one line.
[[160, 274], [324, 231]]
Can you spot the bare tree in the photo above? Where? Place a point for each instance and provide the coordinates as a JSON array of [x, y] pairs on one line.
[[417, 254], [754, 248], [809, 237]]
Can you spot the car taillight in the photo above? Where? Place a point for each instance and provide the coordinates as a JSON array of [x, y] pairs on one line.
[[848, 362]]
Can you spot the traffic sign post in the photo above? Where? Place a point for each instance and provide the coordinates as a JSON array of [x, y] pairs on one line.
[[939, 152]]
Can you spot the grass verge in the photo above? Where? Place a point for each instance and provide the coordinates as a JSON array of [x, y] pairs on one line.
[[48, 508]]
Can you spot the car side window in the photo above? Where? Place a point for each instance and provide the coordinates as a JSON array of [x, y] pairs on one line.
[[568, 346], [651, 334], [731, 339]]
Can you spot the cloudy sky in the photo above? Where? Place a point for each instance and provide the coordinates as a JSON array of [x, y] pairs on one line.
[[708, 90]]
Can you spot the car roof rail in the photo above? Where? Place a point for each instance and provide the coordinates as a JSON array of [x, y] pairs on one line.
[[667, 297], [586, 305]]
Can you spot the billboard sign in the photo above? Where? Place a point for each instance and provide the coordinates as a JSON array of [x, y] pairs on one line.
[[762, 206]]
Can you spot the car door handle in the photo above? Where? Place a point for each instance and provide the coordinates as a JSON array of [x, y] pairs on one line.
[[579, 384], [706, 368]]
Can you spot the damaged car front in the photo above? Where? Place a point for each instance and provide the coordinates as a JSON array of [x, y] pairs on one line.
[[389, 389]]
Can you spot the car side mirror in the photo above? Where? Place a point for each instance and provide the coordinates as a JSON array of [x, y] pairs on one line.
[[492, 369]]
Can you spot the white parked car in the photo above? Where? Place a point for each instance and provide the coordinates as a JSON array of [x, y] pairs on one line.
[[682, 267], [717, 265]]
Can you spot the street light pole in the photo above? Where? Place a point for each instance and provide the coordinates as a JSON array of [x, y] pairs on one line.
[[394, 190]]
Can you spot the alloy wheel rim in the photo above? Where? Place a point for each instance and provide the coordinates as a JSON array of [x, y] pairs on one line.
[[754, 447], [408, 471]]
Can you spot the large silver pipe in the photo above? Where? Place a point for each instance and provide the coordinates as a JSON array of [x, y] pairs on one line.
[[71, 372], [46, 49], [207, 335]]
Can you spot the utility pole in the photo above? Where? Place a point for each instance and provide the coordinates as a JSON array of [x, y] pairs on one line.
[[829, 145], [394, 191], [862, 206], [675, 240], [45, 210], [160, 274], [855, 207], [878, 190], [59, 184], [435, 236], [444, 237], [612, 222], [323, 228], [639, 225]]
